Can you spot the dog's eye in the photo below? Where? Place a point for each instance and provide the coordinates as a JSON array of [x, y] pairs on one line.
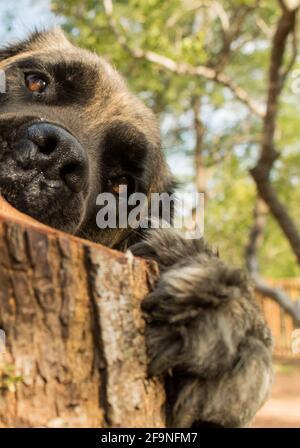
[[118, 185], [35, 83]]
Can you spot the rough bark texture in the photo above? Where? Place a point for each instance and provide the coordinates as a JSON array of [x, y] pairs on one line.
[[261, 173], [75, 350]]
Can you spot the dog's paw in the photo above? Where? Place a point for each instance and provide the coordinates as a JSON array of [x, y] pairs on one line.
[[200, 310], [197, 316], [230, 400], [167, 247], [205, 333]]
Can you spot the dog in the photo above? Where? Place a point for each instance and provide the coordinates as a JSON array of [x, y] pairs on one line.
[[71, 129]]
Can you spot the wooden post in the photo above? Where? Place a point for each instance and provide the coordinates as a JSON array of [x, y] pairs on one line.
[[75, 351]]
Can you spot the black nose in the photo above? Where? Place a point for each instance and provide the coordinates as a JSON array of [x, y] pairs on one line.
[[59, 155]]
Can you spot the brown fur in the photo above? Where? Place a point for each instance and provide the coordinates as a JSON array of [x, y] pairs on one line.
[[111, 102], [205, 333]]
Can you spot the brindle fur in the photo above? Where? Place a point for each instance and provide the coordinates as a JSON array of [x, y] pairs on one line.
[[205, 334]]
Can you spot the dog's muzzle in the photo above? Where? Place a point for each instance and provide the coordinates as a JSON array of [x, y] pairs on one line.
[[56, 153], [44, 171]]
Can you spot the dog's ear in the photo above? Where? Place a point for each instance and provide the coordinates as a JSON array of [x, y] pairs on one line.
[[40, 37], [10, 51], [127, 151]]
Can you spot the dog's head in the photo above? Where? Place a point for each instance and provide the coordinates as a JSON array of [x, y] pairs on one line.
[[69, 130]]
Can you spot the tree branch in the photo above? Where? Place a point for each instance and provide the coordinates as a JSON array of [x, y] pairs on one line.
[[261, 172], [292, 307], [200, 168], [232, 32], [182, 68], [261, 24]]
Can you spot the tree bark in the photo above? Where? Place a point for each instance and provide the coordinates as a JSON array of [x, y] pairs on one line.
[[75, 351], [200, 168], [261, 173], [290, 306]]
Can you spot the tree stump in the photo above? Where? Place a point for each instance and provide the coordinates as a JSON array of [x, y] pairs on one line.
[[75, 350]]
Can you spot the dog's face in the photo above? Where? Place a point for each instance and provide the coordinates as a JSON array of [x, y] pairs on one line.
[[69, 130]]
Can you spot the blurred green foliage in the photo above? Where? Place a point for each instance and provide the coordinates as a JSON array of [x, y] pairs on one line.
[[192, 31]]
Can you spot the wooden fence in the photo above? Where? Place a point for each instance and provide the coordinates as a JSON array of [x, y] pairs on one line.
[[280, 322]]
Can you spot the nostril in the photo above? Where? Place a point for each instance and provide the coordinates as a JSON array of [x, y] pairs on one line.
[[72, 175], [69, 169], [60, 156], [47, 138], [48, 146]]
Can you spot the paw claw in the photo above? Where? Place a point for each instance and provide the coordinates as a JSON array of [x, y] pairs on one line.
[[142, 249], [150, 301], [164, 360]]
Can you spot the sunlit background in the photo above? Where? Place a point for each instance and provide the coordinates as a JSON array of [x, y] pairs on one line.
[[211, 131]]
